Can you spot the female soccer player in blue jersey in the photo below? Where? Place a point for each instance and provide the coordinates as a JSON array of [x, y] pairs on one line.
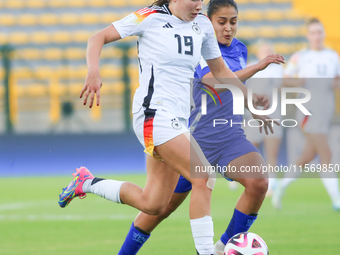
[[168, 55], [222, 145]]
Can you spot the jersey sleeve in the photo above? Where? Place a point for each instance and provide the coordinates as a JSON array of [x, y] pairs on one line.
[[202, 69], [210, 49], [292, 66], [134, 24]]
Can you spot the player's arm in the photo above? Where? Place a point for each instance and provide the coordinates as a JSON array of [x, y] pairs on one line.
[[250, 71], [95, 45]]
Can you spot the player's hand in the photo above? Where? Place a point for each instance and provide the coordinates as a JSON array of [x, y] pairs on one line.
[[92, 86], [270, 59], [267, 123], [261, 100]]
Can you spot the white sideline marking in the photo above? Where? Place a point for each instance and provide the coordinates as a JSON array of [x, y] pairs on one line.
[[22, 205], [48, 217]]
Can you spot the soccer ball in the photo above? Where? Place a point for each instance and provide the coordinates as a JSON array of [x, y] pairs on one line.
[[246, 243]]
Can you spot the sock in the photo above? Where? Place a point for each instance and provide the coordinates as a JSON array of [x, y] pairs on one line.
[[239, 223], [133, 241], [332, 187], [203, 233], [108, 189]]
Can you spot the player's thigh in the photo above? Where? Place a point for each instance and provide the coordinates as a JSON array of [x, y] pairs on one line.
[[248, 168], [319, 142], [183, 154], [161, 182]]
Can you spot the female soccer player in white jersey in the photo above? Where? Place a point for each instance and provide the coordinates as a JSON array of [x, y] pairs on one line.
[[172, 37], [322, 64], [221, 145]]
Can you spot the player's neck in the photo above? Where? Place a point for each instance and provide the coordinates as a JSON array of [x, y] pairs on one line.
[[316, 47]]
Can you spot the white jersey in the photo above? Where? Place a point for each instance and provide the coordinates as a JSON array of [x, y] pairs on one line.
[[314, 64], [169, 50], [318, 69]]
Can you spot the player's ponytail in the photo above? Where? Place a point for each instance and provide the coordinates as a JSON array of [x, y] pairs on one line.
[[161, 2], [215, 5]]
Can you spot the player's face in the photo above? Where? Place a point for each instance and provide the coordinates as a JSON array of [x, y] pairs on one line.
[[316, 35], [187, 10], [225, 22]]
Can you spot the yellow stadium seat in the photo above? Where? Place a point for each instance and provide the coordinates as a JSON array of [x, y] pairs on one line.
[[239, 2], [117, 3], [76, 3], [7, 20], [302, 31], [111, 52], [22, 73], [260, 1], [57, 3], [89, 18], [252, 15], [28, 54], [98, 3], [40, 37], [69, 19], [44, 72], [75, 53], [247, 32], [48, 19], [284, 48], [288, 31], [294, 15], [139, 3], [111, 71], [18, 38], [108, 18], [4, 38], [37, 90], [27, 20], [273, 15], [282, 1], [53, 54], [15, 4], [267, 32], [300, 46], [61, 37], [81, 36], [35, 4]]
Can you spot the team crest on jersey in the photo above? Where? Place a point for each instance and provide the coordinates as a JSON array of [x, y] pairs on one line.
[[196, 28], [176, 124]]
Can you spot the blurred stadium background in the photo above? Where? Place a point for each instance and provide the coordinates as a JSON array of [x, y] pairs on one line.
[[45, 130], [44, 67]]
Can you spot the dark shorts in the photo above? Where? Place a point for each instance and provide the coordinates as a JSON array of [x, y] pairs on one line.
[[233, 149]]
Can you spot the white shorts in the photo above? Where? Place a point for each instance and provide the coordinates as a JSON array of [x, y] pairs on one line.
[[155, 127]]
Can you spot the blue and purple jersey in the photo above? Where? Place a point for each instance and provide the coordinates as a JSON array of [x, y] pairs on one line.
[[211, 138]]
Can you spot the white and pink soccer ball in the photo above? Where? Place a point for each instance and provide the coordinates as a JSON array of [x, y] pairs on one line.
[[246, 243]]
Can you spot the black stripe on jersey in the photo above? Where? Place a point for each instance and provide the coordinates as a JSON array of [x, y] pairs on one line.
[[147, 99], [166, 8], [140, 64]]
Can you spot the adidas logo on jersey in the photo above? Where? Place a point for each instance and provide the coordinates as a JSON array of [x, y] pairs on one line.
[[167, 25]]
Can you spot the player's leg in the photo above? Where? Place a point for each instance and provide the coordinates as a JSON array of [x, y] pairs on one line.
[[272, 146], [329, 178], [250, 201], [183, 155], [289, 177], [159, 187], [144, 224]]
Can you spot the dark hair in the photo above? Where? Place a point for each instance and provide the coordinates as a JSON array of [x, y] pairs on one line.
[[313, 21], [215, 5], [161, 2]]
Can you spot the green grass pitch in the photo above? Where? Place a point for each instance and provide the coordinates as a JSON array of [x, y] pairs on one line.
[[32, 223]]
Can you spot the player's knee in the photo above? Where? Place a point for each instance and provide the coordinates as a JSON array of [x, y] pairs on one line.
[[258, 186], [166, 212], [154, 209], [199, 183]]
